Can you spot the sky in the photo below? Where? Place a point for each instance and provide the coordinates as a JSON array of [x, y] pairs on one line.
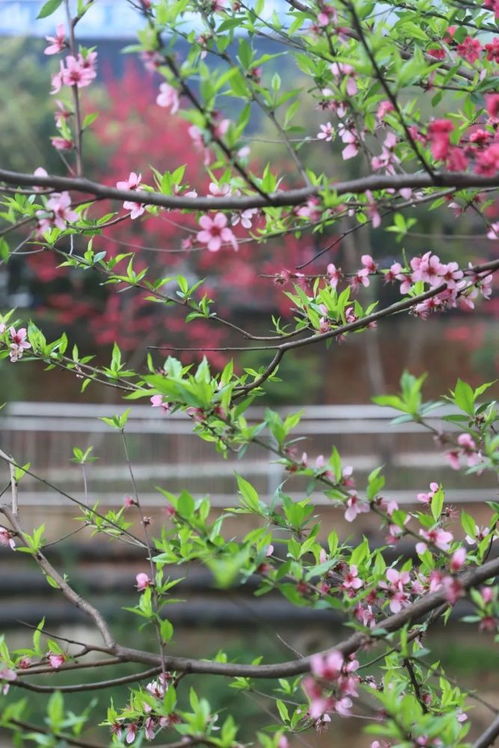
[[107, 19]]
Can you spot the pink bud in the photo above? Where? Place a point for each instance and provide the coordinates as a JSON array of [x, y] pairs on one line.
[[457, 559]]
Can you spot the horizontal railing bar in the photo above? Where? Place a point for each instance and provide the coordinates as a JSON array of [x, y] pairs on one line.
[[218, 500], [306, 427], [90, 410], [226, 468]]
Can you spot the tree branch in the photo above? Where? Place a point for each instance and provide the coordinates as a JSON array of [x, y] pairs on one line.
[[283, 198], [408, 615], [79, 687], [488, 737], [70, 594]]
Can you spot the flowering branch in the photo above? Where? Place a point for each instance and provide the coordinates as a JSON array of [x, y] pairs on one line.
[[284, 198], [408, 615]]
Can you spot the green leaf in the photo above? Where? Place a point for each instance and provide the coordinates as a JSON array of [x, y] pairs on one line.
[[464, 397], [49, 8], [166, 630], [250, 498], [437, 503]]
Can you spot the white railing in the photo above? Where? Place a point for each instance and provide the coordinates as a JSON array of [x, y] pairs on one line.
[[165, 452]]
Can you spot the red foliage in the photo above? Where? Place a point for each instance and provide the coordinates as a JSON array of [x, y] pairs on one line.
[[137, 133]]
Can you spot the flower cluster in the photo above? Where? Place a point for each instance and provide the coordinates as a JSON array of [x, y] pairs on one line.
[[18, 343], [7, 538], [147, 718], [61, 213], [466, 450], [132, 183], [479, 146], [77, 71], [329, 687]]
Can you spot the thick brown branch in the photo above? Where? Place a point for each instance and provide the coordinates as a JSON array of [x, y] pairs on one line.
[[285, 198], [409, 615], [488, 737]]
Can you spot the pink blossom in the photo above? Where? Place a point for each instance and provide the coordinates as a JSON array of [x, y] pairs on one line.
[[60, 205], [56, 659], [39, 172], [453, 458], [62, 144], [117, 729], [427, 268], [7, 538], [394, 586], [61, 114], [364, 614], [79, 71], [438, 537], [354, 507], [216, 6], [425, 498], [318, 708], [215, 232], [245, 218], [341, 70], [197, 138], [220, 126], [334, 274], [19, 343], [387, 160], [493, 232], [492, 106], [469, 49], [384, 107], [453, 589], [492, 5], [451, 274], [326, 15], [351, 579], [487, 594], [58, 41], [132, 183], [168, 98], [487, 162], [219, 190], [157, 401], [326, 132], [349, 136], [343, 706], [159, 687], [457, 559], [361, 278], [327, 666], [438, 134], [438, 53], [480, 534], [143, 581], [8, 675], [310, 210], [456, 160], [149, 728], [152, 60], [131, 732], [467, 449], [369, 264], [129, 501]]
